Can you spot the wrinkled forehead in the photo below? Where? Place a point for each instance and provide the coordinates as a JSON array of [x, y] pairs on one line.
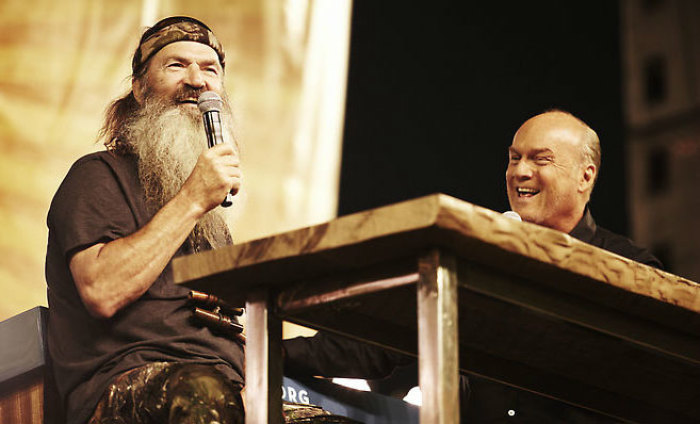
[[187, 52], [557, 135]]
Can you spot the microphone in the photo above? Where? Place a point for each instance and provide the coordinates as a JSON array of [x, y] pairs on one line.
[[512, 215], [210, 104]]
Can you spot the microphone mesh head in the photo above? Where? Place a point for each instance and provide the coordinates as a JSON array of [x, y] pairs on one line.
[[209, 101]]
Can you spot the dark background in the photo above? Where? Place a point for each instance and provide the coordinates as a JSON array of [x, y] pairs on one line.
[[437, 89]]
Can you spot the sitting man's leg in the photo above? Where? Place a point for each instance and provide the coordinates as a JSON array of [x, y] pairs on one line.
[[170, 393]]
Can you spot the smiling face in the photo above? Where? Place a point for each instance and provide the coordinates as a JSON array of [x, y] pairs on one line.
[[548, 178], [179, 73]]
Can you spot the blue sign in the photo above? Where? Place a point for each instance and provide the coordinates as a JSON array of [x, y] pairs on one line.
[[365, 407]]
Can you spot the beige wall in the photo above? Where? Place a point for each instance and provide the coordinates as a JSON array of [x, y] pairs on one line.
[[62, 61]]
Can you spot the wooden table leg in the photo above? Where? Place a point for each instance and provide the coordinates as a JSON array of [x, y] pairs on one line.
[[263, 365], [438, 346]]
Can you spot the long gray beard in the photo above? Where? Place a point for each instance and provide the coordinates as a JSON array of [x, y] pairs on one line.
[[168, 140]]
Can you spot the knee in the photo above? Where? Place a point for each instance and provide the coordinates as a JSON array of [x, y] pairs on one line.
[[200, 394]]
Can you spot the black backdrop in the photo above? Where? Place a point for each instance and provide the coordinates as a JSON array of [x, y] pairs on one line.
[[437, 89]]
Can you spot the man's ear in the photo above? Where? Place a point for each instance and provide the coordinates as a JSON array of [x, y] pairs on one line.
[[588, 178], [137, 88]]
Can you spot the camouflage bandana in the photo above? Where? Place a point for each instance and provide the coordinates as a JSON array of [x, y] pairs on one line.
[[170, 30]]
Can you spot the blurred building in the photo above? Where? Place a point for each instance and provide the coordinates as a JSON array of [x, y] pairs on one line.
[[661, 79]]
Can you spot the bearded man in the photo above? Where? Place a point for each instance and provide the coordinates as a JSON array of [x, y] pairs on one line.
[[121, 339]]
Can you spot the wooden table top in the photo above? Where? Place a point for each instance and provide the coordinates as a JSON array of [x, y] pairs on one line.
[[436, 220]]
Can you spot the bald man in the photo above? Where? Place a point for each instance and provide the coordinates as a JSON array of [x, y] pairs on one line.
[[553, 164]]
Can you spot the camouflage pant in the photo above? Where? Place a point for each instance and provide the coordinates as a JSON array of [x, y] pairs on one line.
[[174, 393]]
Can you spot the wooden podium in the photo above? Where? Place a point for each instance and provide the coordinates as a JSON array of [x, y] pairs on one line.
[[468, 289]]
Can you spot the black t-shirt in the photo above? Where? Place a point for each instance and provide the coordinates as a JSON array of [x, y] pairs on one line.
[[589, 232], [101, 200]]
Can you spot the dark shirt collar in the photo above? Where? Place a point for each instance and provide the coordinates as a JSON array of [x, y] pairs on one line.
[[586, 227]]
